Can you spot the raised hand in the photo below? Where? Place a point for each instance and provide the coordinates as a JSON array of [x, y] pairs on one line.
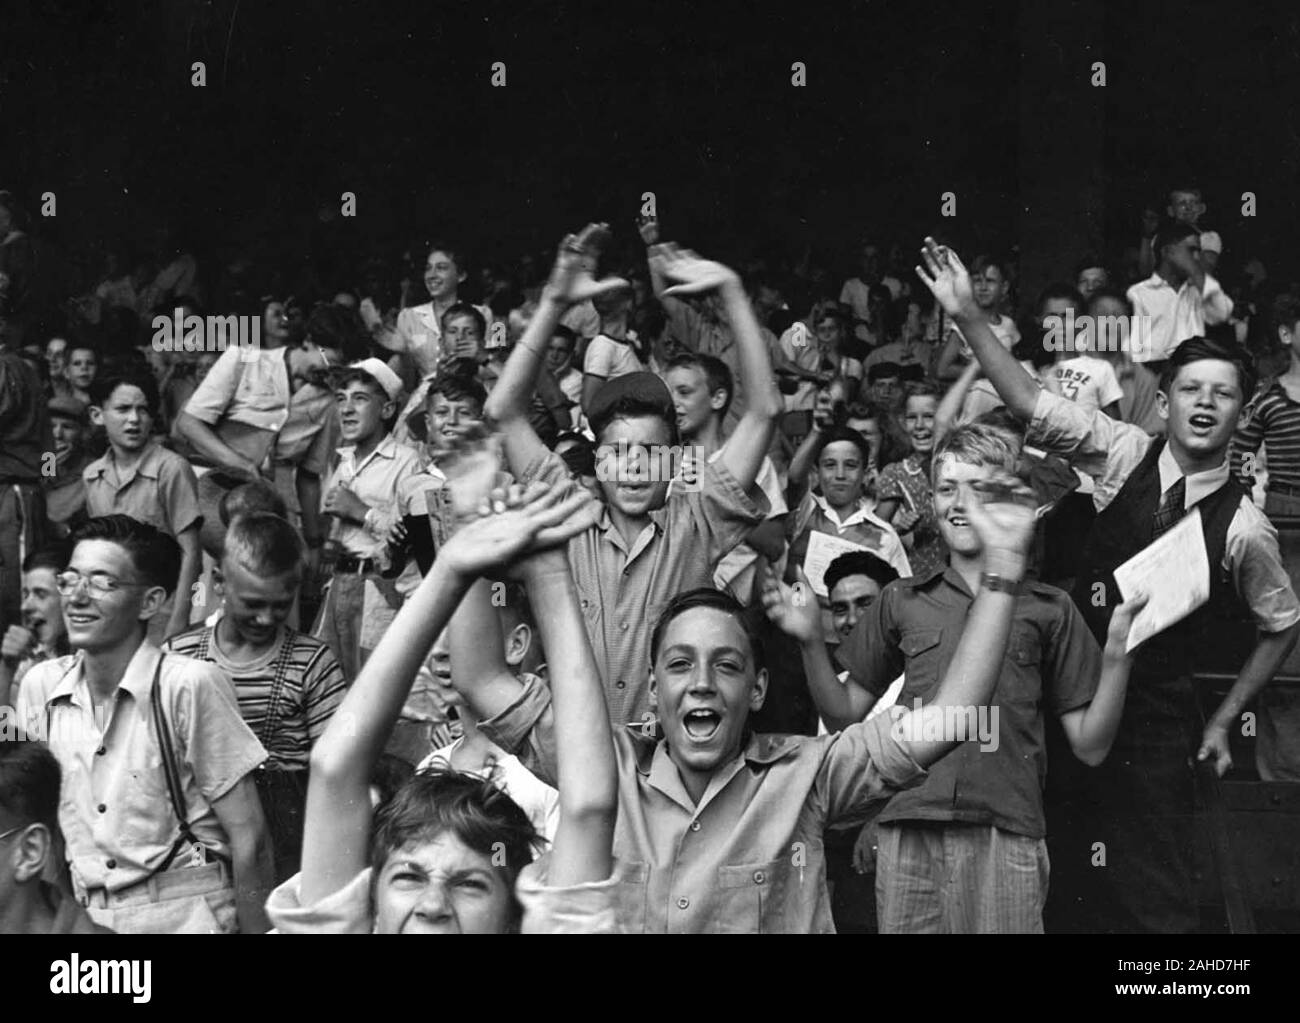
[[947, 279], [792, 609], [1001, 510], [571, 277], [648, 227], [515, 524], [693, 273]]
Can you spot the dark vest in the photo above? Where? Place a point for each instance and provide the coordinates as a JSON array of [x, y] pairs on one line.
[[1210, 636]]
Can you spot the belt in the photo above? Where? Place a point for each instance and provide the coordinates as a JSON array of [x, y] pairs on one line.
[[348, 564], [156, 888]]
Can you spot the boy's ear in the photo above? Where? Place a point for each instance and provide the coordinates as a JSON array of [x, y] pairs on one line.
[[31, 852], [518, 643], [717, 399], [759, 693], [152, 602], [96, 415]]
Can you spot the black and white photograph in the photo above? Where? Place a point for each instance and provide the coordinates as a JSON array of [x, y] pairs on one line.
[[486, 468]]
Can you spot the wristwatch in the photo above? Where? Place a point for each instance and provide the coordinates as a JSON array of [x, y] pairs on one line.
[[1001, 584]]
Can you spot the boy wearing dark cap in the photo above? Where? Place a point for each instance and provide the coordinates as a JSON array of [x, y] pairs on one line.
[[65, 491], [647, 546]]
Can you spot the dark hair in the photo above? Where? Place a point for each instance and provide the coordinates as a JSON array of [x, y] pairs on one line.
[[458, 387], [1089, 262], [452, 249], [1112, 293], [1171, 232], [265, 544], [518, 606], [858, 563], [629, 406], [581, 458], [251, 498], [389, 774], [154, 554], [837, 434], [884, 369], [569, 336], [464, 309], [102, 388], [984, 260], [54, 556], [718, 600], [473, 809], [921, 389], [1286, 310], [717, 374], [335, 326], [29, 782], [1059, 289], [1194, 349]]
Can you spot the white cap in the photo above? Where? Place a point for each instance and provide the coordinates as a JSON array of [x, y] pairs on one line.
[[385, 377], [1211, 242]]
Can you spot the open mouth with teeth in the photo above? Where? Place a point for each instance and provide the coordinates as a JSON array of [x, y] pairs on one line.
[[702, 725], [1202, 423]]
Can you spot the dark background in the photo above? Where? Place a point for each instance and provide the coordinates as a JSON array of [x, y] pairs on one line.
[[393, 101]]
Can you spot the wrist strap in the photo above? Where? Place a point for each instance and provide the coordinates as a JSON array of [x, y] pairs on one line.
[[1001, 584]]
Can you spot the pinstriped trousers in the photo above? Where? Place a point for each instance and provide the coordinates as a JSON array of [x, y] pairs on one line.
[[959, 879]]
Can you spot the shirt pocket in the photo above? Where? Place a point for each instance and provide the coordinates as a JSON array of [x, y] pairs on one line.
[[921, 649], [631, 892], [1025, 652], [753, 897]]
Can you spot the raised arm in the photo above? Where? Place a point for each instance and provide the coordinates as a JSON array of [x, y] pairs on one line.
[[745, 449], [571, 282], [950, 283], [337, 826], [1006, 530], [945, 416], [586, 773]]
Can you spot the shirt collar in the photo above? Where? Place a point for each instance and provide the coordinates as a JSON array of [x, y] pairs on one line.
[[763, 750], [147, 466], [136, 680], [859, 514], [386, 448], [1200, 485]]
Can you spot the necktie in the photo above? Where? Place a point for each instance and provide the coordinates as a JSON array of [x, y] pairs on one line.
[[1170, 510]]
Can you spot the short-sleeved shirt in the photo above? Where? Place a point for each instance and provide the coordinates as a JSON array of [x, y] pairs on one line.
[[286, 695], [1052, 662], [1088, 381], [114, 810], [609, 358], [623, 588], [161, 489], [420, 334], [747, 858], [1274, 419], [1109, 451], [390, 481]]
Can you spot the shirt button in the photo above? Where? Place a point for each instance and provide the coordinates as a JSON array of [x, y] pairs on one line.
[[102, 808], [623, 626], [695, 825], [759, 877], [620, 684], [683, 903], [112, 864]]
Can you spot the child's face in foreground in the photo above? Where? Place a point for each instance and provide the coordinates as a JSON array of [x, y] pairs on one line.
[[705, 686], [442, 886], [361, 412], [851, 599], [633, 464], [1203, 406], [126, 418], [257, 605], [841, 470], [450, 418]]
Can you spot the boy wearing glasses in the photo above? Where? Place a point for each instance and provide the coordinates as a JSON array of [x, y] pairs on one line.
[[146, 856]]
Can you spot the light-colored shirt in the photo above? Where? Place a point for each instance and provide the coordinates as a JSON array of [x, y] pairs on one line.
[[608, 358], [390, 481], [623, 588], [748, 857], [1088, 381], [1163, 318], [420, 335], [159, 489], [114, 809], [1109, 451]]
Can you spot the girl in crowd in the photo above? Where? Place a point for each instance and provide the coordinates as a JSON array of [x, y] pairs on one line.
[[904, 496]]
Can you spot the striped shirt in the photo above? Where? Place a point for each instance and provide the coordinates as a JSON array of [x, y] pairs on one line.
[[1274, 420], [286, 696]]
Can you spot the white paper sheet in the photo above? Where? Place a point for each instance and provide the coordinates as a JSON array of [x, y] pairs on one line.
[[822, 550], [1174, 573]]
